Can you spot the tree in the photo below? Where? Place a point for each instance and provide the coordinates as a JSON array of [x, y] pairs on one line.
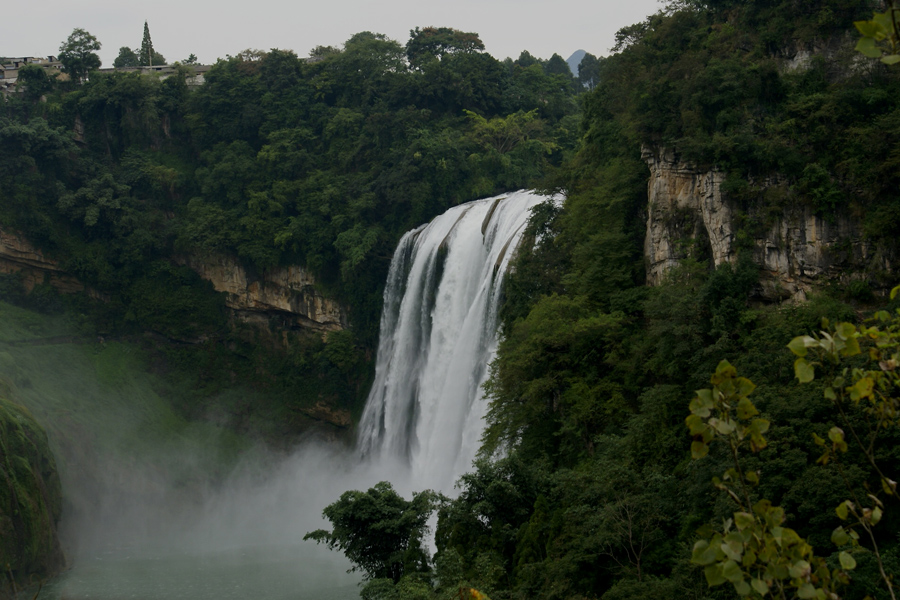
[[589, 71], [148, 56], [126, 58], [557, 65], [190, 60], [379, 531], [435, 42], [526, 59], [35, 81], [146, 47], [78, 54]]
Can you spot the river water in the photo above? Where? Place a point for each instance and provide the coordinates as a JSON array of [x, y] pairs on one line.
[[250, 572]]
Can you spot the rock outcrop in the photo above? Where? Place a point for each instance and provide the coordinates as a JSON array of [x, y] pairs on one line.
[[284, 291], [18, 255], [795, 248]]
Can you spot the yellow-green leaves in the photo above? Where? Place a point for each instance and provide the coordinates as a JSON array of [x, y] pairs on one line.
[[804, 371], [755, 552], [840, 537], [800, 344], [725, 412], [827, 347], [848, 563], [843, 510], [836, 435], [880, 37]]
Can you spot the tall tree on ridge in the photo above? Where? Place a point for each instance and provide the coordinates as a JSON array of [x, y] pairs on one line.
[[149, 56], [146, 47]]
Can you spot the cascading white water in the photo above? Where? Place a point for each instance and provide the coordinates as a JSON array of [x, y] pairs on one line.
[[438, 335]]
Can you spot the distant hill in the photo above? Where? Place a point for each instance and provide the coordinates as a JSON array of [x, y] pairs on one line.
[[575, 60]]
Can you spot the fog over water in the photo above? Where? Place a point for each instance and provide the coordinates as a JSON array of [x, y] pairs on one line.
[[157, 539], [163, 527]]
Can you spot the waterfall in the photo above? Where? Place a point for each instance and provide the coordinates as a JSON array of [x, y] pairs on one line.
[[438, 335]]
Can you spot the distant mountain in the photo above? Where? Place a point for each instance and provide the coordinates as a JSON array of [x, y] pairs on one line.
[[575, 60]]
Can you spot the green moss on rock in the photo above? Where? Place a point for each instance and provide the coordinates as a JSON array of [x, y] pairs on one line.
[[30, 500]]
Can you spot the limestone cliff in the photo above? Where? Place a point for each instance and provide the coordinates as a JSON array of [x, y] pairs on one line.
[[18, 255], [285, 291], [795, 248]]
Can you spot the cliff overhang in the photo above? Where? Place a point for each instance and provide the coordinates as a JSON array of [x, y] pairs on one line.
[[796, 249]]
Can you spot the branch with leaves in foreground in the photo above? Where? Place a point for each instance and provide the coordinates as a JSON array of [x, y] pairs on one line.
[[754, 551], [881, 35], [874, 390]]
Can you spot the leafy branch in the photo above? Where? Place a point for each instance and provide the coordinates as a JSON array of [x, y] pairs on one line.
[[881, 35], [873, 391], [754, 551]]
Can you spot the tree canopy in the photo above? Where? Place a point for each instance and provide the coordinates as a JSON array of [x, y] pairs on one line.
[[78, 54]]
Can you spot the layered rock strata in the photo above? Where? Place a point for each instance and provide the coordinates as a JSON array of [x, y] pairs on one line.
[[18, 255], [795, 248], [285, 291]]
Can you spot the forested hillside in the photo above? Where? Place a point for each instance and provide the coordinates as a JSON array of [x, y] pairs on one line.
[[591, 485], [322, 162]]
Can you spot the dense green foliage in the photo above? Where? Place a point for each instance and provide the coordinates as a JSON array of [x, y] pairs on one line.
[[380, 532], [586, 488], [30, 498], [276, 160]]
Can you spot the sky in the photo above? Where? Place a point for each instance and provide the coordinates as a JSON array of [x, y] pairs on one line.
[[212, 30]]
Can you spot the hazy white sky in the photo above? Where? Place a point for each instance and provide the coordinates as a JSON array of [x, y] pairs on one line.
[[213, 29]]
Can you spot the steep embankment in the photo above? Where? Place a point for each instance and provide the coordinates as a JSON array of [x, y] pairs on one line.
[[30, 499]]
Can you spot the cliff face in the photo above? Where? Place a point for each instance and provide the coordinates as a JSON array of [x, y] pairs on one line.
[[795, 249], [18, 255], [286, 291]]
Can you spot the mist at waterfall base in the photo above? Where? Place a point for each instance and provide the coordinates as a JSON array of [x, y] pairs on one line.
[[143, 535]]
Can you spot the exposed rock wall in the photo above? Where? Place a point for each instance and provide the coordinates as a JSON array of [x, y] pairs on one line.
[[795, 249], [18, 255], [286, 291]]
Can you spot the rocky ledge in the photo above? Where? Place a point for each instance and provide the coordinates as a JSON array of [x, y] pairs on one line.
[[288, 293], [18, 255], [284, 291]]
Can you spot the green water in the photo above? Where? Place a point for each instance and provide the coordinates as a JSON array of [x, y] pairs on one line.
[[158, 507], [253, 572]]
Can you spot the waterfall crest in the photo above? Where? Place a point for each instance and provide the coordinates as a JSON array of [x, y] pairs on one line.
[[438, 335]]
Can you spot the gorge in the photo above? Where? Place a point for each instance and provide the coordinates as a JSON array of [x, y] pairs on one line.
[[229, 306]]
